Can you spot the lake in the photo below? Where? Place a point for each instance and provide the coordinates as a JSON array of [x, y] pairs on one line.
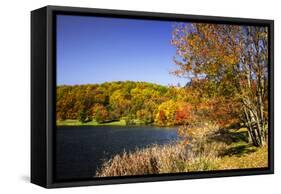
[[80, 150]]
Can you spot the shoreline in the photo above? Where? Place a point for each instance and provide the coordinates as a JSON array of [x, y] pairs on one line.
[[70, 122], [121, 123]]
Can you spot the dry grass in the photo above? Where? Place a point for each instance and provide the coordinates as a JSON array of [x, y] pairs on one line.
[[172, 158], [152, 160], [256, 159]]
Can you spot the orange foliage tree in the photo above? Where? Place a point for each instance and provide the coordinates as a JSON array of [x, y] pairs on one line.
[[230, 63]]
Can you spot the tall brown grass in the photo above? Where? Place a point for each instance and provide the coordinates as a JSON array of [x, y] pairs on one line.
[[172, 158]]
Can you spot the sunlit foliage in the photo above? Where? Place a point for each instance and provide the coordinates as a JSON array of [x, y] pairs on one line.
[[227, 63], [130, 101]]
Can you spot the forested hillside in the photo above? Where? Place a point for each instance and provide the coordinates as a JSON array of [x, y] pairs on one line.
[[132, 101], [143, 103]]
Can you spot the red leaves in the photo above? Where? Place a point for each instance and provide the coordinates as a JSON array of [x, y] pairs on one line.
[[184, 114], [162, 116]]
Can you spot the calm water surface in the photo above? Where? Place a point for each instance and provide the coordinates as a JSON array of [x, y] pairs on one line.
[[81, 150]]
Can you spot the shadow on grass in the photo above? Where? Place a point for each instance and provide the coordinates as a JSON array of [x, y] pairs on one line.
[[230, 136], [238, 150], [237, 141]]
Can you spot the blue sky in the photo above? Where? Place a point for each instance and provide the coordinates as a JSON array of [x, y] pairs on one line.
[[96, 49]]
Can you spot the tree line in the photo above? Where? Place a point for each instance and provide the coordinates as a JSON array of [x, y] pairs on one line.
[[145, 102], [131, 101]]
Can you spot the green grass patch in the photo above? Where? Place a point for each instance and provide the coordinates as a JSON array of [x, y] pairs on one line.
[[237, 143], [70, 122]]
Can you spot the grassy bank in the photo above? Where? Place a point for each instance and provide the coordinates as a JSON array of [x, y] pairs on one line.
[[122, 122], [225, 150], [70, 122]]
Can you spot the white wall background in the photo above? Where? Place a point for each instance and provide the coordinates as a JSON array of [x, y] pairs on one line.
[[15, 94]]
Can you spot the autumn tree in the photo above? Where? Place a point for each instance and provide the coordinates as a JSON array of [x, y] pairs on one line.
[[232, 60], [119, 102], [100, 113], [145, 115], [173, 112]]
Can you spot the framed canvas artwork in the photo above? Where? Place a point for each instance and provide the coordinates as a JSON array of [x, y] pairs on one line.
[[124, 96]]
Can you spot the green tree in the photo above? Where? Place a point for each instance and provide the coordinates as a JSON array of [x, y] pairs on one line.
[[83, 116]]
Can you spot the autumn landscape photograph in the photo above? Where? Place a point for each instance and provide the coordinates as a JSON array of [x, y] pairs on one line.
[[148, 97]]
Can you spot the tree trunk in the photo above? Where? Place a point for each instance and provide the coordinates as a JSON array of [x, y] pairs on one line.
[[251, 130]]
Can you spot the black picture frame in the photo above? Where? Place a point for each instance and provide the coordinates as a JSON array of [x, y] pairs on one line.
[[43, 91]]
